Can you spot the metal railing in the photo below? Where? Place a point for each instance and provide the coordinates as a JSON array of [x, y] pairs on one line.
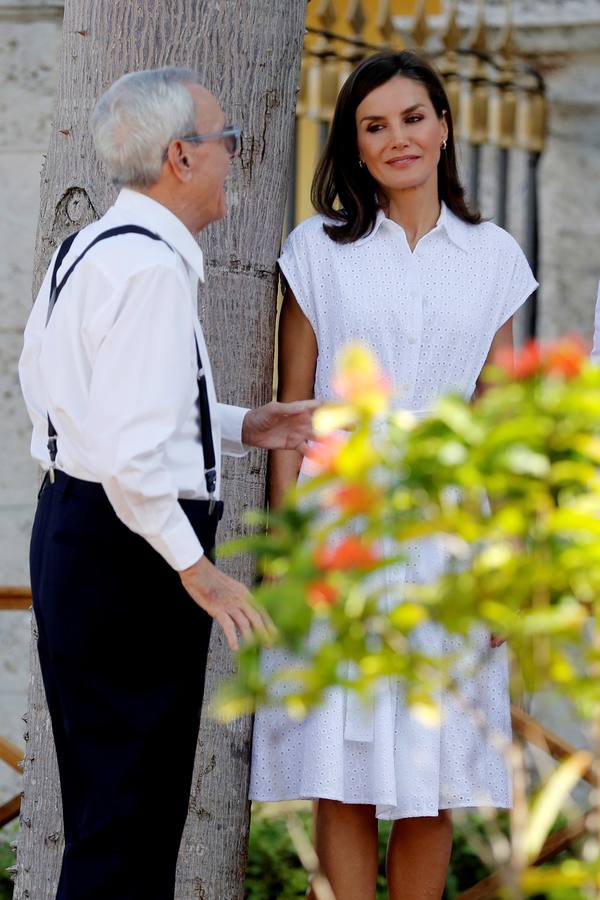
[[12, 598]]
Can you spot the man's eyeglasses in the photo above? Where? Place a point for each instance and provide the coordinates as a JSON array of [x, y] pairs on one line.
[[230, 137]]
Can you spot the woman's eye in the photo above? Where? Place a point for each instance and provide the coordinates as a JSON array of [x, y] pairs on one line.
[[412, 119], [375, 127]]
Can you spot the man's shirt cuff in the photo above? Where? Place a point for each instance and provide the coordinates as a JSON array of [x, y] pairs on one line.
[[177, 543], [232, 419]]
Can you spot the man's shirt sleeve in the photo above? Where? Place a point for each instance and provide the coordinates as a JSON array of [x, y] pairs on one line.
[[29, 372]]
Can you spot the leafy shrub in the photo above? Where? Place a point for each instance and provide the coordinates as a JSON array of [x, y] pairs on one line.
[[275, 873]]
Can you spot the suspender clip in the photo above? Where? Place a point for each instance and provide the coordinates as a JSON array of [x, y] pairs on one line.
[[211, 483], [52, 450]]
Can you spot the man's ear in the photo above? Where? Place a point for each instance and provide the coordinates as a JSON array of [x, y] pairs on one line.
[[179, 160]]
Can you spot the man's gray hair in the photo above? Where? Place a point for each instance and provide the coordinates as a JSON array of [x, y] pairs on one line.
[[137, 117]]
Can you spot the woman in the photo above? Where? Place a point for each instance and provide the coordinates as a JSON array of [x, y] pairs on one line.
[[397, 260]]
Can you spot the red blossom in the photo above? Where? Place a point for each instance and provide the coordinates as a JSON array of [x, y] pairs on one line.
[[520, 363], [564, 357], [321, 593], [349, 553], [353, 499]]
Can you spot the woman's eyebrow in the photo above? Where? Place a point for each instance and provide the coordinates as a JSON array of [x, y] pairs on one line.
[[404, 112], [412, 108]]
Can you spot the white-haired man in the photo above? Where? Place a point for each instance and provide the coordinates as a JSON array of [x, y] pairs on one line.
[[118, 385]]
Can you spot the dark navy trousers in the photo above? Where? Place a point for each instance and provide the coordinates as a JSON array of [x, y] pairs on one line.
[[123, 654]]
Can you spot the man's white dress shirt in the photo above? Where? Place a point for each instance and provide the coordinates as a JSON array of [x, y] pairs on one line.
[[116, 370]]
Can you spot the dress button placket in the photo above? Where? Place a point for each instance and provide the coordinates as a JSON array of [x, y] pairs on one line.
[[416, 323]]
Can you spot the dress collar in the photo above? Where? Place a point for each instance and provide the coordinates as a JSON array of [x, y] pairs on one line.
[[139, 209], [455, 228]]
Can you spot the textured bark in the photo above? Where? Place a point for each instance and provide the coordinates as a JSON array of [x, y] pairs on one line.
[[249, 54]]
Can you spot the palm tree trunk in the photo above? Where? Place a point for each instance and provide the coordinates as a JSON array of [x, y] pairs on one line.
[[249, 54]]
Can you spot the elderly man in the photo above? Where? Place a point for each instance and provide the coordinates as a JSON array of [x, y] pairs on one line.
[[117, 381]]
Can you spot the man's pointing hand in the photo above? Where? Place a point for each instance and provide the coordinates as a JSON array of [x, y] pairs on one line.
[[280, 426]]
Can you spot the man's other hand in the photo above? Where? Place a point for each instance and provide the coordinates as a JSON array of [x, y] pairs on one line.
[[227, 601], [280, 426]]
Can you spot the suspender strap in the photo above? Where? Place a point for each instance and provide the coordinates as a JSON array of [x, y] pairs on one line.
[[66, 246], [202, 403], [62, 252], [208, 447]]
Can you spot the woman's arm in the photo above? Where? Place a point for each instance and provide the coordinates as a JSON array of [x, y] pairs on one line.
[[503, 339], [296, 373]]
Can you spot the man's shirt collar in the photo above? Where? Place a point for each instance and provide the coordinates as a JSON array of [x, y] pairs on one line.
[[139, 209]]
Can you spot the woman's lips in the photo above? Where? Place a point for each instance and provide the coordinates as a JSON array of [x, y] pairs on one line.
[[401, 162]]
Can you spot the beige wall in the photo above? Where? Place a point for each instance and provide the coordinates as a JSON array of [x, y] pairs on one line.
[[29, 37]]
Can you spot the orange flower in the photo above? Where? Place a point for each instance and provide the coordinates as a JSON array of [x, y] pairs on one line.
[[320, 593], [349, 553], [528, 360], [520, 363], [353, 499], [566, 357], [323, 455]]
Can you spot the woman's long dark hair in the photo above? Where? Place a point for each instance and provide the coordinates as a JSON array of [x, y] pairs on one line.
[[345, 191]]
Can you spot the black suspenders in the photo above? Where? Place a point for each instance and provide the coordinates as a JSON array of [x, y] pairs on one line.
[[204, 423]]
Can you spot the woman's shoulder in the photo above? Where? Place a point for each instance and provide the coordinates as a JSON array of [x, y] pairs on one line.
[[491, 237], [310, 234]]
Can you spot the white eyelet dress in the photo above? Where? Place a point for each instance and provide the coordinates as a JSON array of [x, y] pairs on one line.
[[430, 317]]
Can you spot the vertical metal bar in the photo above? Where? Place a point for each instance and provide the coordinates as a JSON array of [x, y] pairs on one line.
[[532, 248], [502, 164], [474, 173], [290, 208]]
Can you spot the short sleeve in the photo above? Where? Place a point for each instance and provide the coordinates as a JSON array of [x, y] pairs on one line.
[[521, 283], [295, 266]]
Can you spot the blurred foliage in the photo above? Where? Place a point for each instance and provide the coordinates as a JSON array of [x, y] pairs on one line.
[[506, 489]]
